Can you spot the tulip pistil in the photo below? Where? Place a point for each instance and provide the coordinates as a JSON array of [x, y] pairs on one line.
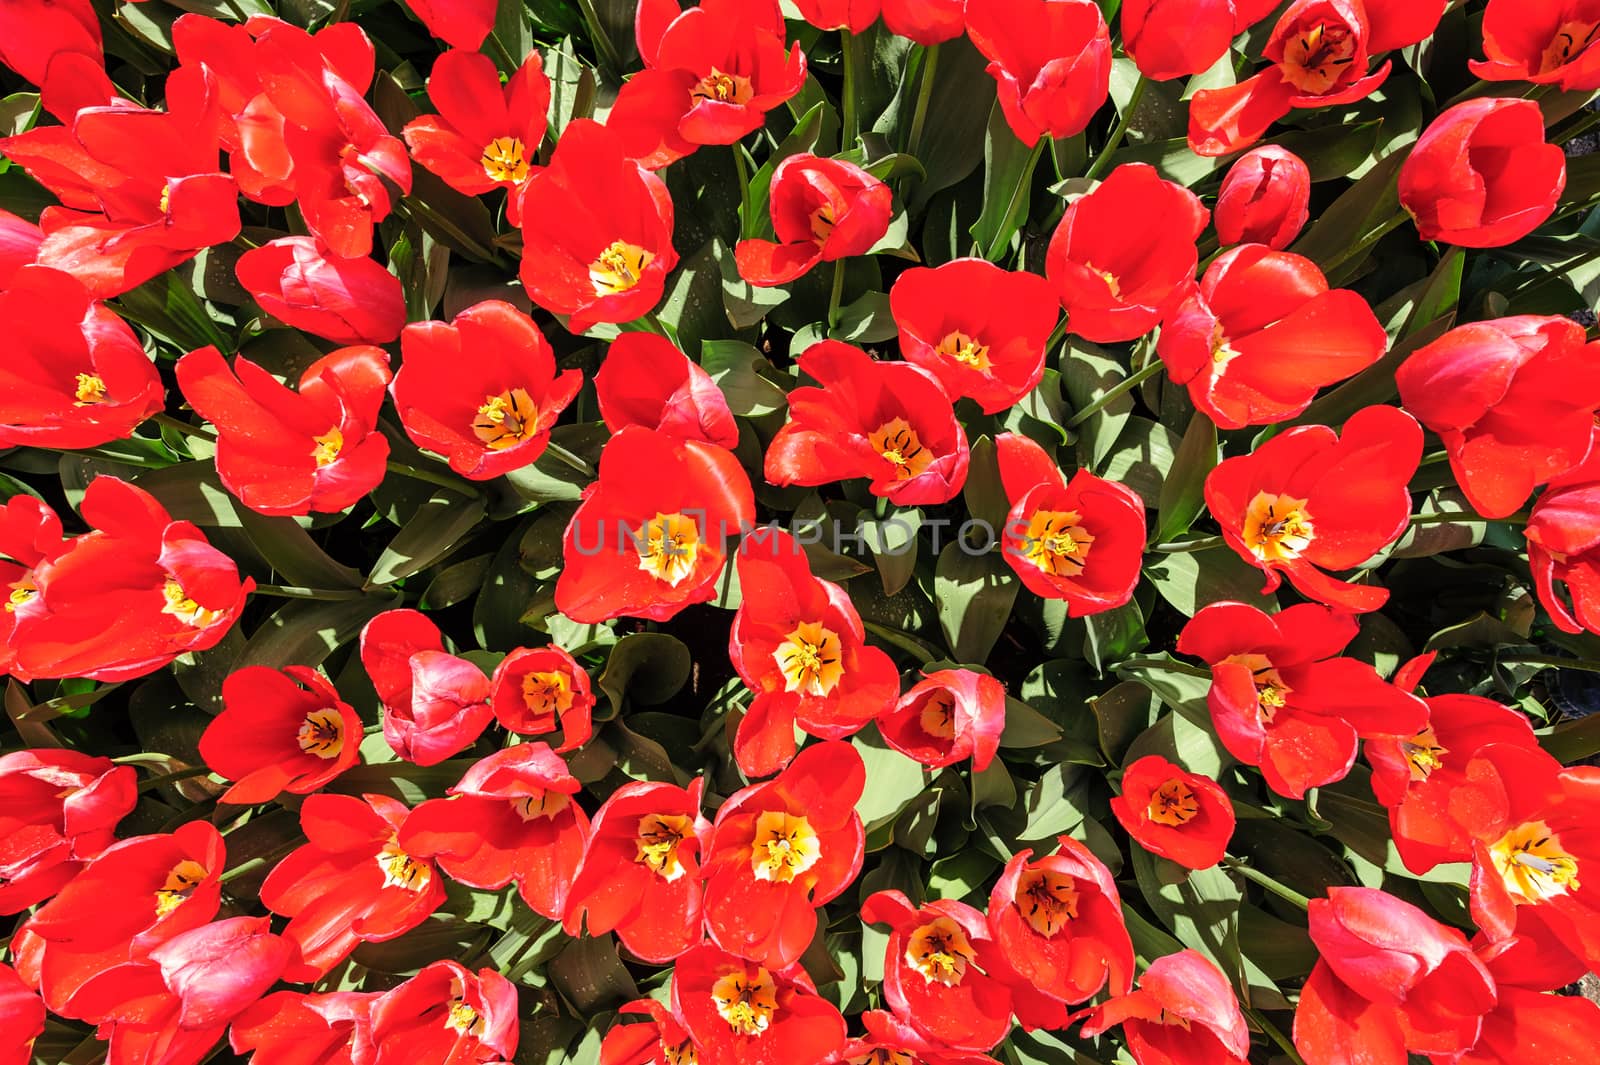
[[506, 420], [1272, 694], [1314, 61], [1424, 753], [897, 442], [329, 444], [1533, 864], [810, 659], [1277, 528], [547, 693], [23, 592], [1173, 804], [1222, 351], [321, 733], [401, 870], [91, 390], [668, 545], [506, 159], [462, 1018], [967, 350], [1057, 543], [185, 609], [722, 88], [747, 1004], [785, 846], [658, 840], [940, 951], [1048, 900], [618, 268], [179, 885]]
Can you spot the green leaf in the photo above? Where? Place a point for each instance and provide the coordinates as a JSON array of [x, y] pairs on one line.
[[974, 593], [304, 632], [1191, 580], [1200, 906], [1182, 494], [1007, 164], [646, 668], [893, 543], [740, 371], [866, 321], [1026, 727], [430, 534], [590, 976], [893, 780]]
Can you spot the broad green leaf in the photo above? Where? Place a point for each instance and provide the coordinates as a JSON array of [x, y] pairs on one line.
[[430, 535], [974, 593]]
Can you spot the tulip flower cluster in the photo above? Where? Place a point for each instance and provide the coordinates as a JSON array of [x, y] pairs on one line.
[[834, 532]]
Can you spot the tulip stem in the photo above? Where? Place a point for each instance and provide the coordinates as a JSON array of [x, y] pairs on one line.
[[569, 458], [1009, 222], [177, 425], [1400, 219], [503, 53], [1467, 518], [172, 778], [1288, 894], [837, 295], [1121, 388], [847, 55], [602, 41], [1275, 1035], [930, 63], [286, 591], [1180, 547], [443, 481], [1102, 160], [1583, 665]]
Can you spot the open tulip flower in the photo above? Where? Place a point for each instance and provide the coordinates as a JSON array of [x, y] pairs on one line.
[[799, 532]]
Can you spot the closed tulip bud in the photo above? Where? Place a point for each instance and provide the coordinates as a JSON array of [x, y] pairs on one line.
[[347, 301], [1265, 199]]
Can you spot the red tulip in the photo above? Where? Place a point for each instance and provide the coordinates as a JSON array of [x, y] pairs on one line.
[[641, 870], [947, 717], [1544, 42], [646, 381], [1078, 540], [928, 22], [512, 818], [822, 210], [1481, 175], [483, 390], [1564, 547], [137, 894], [711, 75], [1184, 1013], [347, 301], [290, 1028], [1169, 39], [280, 730], [74, 374], [1265, 199], [1262, 334], [781, 849], [742, 1013], [935, 976], [1390, 979], [660, 1040], [651, 536], [536, 690], [890, 422], [1050, 59], [798, 644], [447, 1014], [1320, 51], [1184, 817], [19, 245], [484, 136], [434, 704], [1527, 1025], [1057, 920], [852, 15], [1124, 255], [128, 597], [1309, 500], [1414, 774], [30, 534], [22, 1016], [1281, 700], [352, 883], [979, 329], [458, 23], [286, 452], [34, 32], [596, 231], [891, 1041], [1513, 400], [58, 809]]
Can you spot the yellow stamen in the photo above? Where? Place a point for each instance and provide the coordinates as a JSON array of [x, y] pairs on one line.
[[505, 159], [1277, 528], [938, 716], [547, 693], [1272, 694], [1108, 277], [1424, 753], [1222, 352], [1533, 865], [545, 804], [179, 885], [679, 1053], [940, 951], [462, 1018], [165, 203], [322, 733], [90, 391], [1047, 899], [810, 659], [1173, 804], [619, 268], [23, 592], [668, 545], [747, 1004], [1314, 61], [784, 847], [897, 442], [723, 88], [186, 610], [403, 871], [966, 350], [658, 840], [329, 444], [1056, 542], [506, 420]]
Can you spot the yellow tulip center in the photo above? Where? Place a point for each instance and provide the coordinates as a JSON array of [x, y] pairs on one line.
[[897, 442], [966, 350], [321, 733], [940, 951], [329, 444], [668, 546], [506, 159], [723, 88], [185, 609], [1314, 61], [660, 836], [91, 390], [1572, 38], [1057, 543], [618, 268], [179, 885], [1048, 900], [545, 804], [1272, 694], [747, 1003], [1173, 804], [1277, 528], [23, 592], [938, 715], [810, 659], [547, 693], [401, 870], [1424, 753], [506, 420], [1533, 864], [784, 847]]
